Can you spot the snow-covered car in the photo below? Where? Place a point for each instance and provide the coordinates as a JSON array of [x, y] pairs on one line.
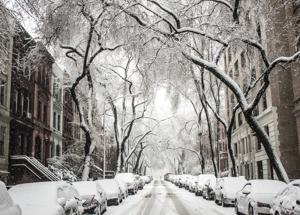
[[139, 182], [112, 190], [191, 183], [92, 196], [257, 196], [47, 198], [209, 188], [124, 189], [182, 180], [200, 183], [288, 200], [128, 178], [227, 188], [186, 181], [7, 205], [146, 179]]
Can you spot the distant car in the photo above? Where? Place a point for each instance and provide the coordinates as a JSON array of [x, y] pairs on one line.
[[146, 179], [257, 196], [288, 200], [93, 197], [191, 183], [200, 183], [129, 179], [227, 188], [47, 198], [112, 190], [7, 205], [139, 181], [209, 188]]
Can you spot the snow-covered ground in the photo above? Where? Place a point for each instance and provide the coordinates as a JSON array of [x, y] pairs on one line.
[[161, 198]]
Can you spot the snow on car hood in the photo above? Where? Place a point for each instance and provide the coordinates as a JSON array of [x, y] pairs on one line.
[[263, 197], [34, 209]]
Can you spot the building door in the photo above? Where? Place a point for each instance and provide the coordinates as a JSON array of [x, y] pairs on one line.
[[37, 148]]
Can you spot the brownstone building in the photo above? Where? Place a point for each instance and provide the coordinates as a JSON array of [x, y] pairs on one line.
[[278, 112], [68, 116]]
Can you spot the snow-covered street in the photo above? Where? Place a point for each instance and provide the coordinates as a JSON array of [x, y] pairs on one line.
[[161, 197]]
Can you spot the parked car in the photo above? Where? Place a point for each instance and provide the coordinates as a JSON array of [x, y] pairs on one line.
[[191, 183], [124, 189], [257, 195], [146, 179], [209, 188], [200, 183], [7, 205], [287, 202], [93, 197], [128, 178], [227, 188], [112, 190], [47, 198], [139, 182]]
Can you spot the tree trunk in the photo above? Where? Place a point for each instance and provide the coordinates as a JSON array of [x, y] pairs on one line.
[[264, 139], [229, 143]]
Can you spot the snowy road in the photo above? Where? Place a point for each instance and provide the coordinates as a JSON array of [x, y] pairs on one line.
[[164, 198]]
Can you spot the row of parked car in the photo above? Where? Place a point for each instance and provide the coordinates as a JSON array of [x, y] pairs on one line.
[[253, 197], [66, 198]]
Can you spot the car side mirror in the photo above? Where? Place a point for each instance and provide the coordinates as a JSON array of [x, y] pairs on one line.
[[298, 202], [62, 201]]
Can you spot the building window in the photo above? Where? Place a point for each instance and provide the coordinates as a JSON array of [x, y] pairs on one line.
[[253, 75], [39, 116], [230, 73], [249, 144], [2, 92], [58, 122], [54, 120], [243, 59], [240, 118], [2, 139], [258, 30], [236, 68], [271, 172], [229, 55], [45, 113], [258, 145], [260, 170], [265, 102]]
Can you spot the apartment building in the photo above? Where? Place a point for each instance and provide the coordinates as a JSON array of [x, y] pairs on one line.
[[56, 113], [6, 26], [275, 111]]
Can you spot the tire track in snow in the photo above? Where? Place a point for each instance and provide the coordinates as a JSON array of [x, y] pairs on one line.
[[180, 208]]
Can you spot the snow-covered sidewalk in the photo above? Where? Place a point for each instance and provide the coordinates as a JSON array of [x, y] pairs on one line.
[[164, 198]]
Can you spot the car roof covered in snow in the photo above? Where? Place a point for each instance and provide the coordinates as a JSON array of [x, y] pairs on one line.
[[41, 197], [109, 185], [267, 186], [86, 187]]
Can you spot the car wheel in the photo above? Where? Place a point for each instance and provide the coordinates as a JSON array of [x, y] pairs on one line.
[[236, 208], [223, 202], [215, 199], [250, 210]]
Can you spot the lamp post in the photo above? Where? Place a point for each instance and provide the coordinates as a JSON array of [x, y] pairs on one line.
[[104, 144]]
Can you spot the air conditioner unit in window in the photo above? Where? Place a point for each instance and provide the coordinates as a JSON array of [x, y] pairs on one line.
[[29, 115]]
